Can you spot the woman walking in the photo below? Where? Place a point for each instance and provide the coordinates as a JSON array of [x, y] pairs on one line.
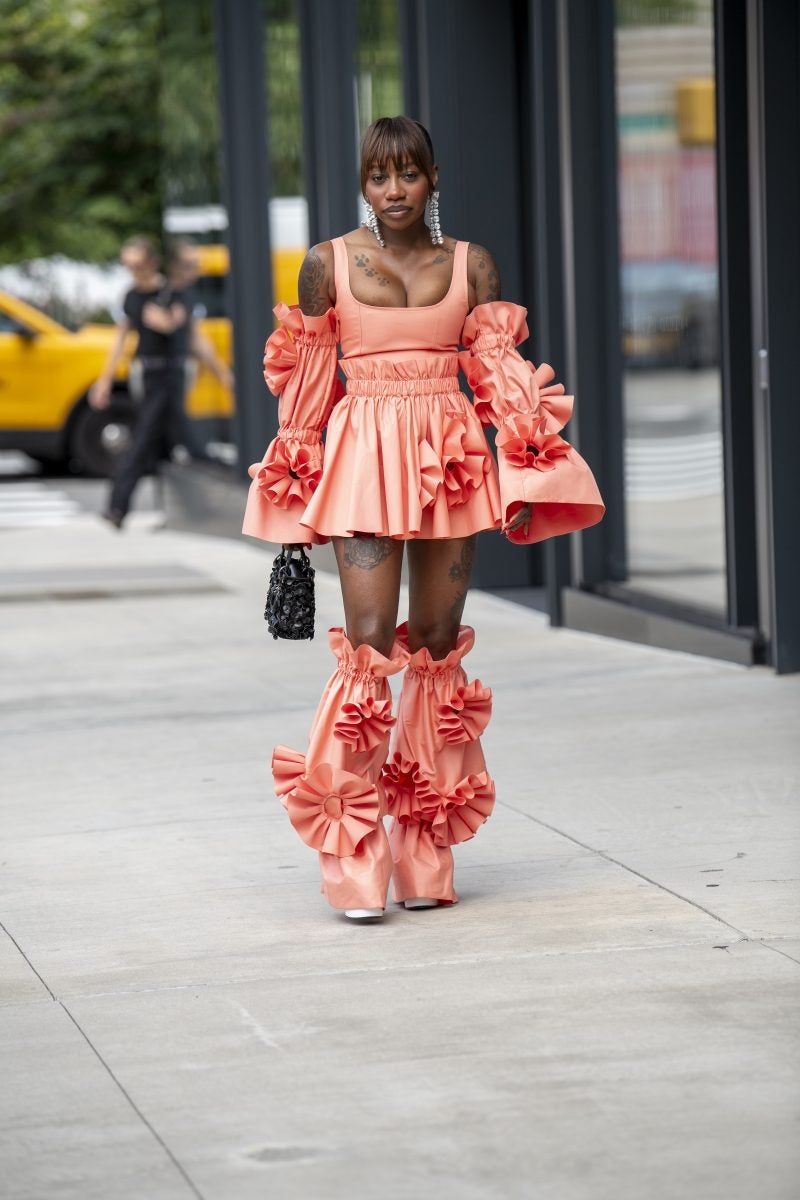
[[405, 461]]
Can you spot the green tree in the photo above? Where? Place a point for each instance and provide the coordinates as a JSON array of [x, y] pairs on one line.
[[80, 146]]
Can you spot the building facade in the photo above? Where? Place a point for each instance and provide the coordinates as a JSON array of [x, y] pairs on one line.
[[634, 169]]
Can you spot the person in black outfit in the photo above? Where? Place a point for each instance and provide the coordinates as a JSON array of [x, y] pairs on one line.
[[161, 316]]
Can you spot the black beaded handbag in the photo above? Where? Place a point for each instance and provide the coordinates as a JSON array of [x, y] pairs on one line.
[[290, 597]]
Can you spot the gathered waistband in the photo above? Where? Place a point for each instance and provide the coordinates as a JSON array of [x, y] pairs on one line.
[[395, 387]]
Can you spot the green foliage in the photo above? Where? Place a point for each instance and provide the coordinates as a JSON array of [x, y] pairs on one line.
[[380, 75], [79, 130], [188, 105], [657, 12], [284, 113]]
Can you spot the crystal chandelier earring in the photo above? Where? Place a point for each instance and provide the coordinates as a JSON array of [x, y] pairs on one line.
[[371, 222], [436, 228]]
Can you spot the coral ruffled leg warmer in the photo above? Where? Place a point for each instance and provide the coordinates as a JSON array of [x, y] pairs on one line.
[[437, 788], [334, 793]]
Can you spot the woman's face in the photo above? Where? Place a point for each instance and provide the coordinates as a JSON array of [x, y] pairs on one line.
[[398, 194]]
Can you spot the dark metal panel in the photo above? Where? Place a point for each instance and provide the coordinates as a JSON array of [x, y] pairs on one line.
[[330, 128], [591, 254], [246, 185], [544, 264], [735, 290], [774, 65]]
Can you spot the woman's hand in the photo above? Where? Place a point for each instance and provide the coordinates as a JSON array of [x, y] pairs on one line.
[[521, 518]]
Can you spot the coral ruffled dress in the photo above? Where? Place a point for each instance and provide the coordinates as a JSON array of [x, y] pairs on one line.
[[405, 454]]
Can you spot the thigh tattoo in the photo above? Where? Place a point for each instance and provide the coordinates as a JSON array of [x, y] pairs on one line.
[[462, 568], [367, 552]]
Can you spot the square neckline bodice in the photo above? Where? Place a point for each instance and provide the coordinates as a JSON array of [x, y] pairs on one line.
[[342, 276]]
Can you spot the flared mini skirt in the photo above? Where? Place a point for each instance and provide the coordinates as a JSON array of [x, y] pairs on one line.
[[405, 455]]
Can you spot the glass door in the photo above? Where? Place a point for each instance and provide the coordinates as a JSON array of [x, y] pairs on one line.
[[666, 163]]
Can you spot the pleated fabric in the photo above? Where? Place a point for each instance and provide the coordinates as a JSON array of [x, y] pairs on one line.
[[438, 791], [334, 793]]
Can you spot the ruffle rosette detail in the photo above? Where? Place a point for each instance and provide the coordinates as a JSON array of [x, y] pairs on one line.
[[526, 443], [364, 723], [291, 469], [333, 810], [410, 795], [463, 459], [287, 767], [460, 815], [465, 715]]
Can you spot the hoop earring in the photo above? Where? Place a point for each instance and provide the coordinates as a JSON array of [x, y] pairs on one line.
[[436, 228], [371, 222]]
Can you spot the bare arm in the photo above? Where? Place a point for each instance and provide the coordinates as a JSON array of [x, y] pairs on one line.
[[483, 275], [203, 349], [315, 283], [100, 392]]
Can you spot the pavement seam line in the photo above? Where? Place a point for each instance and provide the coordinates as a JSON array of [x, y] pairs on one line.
[[154, 1132], [41, 979], [609, 858], [777, 950]]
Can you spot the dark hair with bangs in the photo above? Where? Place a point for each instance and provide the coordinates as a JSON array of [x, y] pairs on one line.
[[399, 140]]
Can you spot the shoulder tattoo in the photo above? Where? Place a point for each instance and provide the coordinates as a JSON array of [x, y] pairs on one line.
[[485, 272], [312, 292]]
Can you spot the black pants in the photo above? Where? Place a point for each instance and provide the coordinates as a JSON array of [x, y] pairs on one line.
[[155, 432]]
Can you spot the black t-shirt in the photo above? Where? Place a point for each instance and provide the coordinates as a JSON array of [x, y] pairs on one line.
[[151, 343]]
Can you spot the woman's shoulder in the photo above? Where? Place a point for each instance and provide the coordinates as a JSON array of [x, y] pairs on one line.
[[482, 274]]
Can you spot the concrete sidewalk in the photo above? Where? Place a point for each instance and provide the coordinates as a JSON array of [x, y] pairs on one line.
[[609, 1013]]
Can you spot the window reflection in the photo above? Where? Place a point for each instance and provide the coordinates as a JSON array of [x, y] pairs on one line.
[[670, 305]]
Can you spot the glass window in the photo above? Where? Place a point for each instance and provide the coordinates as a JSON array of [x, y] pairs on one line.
[[379, 75], [670, 306]]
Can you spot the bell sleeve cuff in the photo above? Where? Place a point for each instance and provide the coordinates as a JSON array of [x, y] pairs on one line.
[[537, 466]]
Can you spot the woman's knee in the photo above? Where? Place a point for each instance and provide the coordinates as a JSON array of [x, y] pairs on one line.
[[438, 637], [372, 630]]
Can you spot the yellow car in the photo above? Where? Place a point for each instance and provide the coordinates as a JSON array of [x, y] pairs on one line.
[[46, 372]]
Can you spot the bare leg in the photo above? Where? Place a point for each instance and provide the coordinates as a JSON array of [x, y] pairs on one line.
[[369, 572], [439, 579]]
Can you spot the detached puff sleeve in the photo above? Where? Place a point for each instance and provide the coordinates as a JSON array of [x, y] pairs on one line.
[[537, 466], [300, 366]]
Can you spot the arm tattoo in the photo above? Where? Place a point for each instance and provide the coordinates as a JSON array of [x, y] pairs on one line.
[[461, 570], [486, 274], [362, 262], [367, 552], [313, 295]]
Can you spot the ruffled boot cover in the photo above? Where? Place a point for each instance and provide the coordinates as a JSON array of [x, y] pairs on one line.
[[334, 793], [437, 788]]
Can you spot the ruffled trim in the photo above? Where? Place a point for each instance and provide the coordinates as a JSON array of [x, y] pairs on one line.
[[413, 800], [465, 715], [526, 443], [490, 327], [333, 810], [287, 767], [464, 460], [422, 660], [295, 330], [364, 661], [290, 471], [364, 723], [410, 795], [460, 815]]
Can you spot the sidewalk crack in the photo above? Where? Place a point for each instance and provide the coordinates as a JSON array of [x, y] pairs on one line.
[[618, 863], [154, 1132]]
